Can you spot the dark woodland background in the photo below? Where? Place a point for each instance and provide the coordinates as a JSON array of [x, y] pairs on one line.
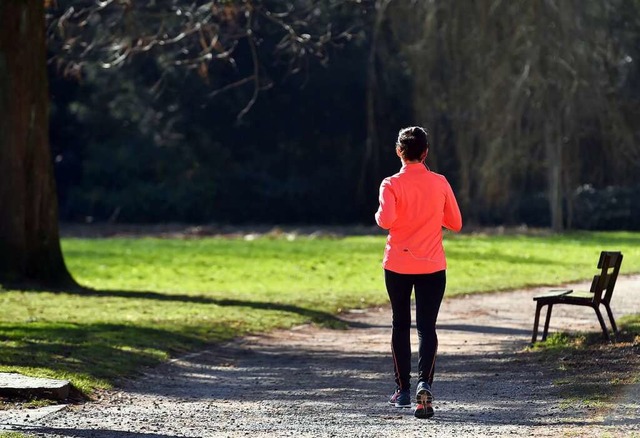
[[533, 107]]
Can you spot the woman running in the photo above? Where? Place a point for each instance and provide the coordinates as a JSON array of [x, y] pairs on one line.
[[415, 204]]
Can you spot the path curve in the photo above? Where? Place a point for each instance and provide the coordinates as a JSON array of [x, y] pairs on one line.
[[315, 382]]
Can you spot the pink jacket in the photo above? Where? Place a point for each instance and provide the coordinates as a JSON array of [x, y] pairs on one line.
[[415, 204]]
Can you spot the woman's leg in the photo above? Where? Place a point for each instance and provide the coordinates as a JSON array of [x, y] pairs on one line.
[[429, 292], [399, 288]]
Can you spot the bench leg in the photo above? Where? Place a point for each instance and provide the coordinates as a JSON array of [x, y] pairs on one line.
[[535, 323], [613, 322], [546, 322], [605, 332]]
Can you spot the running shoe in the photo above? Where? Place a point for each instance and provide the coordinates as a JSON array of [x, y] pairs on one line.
[[401, 398], [424, 399]]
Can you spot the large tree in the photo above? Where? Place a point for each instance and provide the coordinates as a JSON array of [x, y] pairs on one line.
[[29, 241]]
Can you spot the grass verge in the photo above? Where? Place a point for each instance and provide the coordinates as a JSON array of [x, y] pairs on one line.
[[593, 373], [149, 299]]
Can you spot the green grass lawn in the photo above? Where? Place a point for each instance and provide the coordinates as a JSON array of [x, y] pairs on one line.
[[156, 298]]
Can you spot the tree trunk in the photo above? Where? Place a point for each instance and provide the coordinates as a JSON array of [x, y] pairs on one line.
[[372, 154], [29, 240], [553, 146]]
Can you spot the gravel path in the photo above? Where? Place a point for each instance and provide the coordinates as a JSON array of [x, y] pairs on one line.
[[319, 382]]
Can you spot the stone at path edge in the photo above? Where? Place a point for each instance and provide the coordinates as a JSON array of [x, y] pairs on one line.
[[17, 385]]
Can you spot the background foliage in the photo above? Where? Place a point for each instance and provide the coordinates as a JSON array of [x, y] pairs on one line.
[[533, 108]]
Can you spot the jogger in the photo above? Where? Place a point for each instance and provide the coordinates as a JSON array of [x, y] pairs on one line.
[[415, 204]]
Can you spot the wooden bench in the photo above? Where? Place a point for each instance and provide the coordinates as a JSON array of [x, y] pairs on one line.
[[600, 293]]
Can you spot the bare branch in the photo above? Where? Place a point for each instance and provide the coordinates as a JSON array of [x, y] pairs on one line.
[[198, 36], [232, 85], [256, 79]]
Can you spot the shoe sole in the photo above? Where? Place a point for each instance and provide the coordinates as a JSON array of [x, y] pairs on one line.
[[424, 397], [423, 411]]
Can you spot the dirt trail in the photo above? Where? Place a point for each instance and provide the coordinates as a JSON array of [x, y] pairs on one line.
[[319, 382]]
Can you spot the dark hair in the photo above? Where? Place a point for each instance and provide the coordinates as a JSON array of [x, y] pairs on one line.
[[413, 142]]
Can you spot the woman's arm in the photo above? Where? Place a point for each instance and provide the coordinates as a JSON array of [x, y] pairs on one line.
[[452, 218], [386, 214]]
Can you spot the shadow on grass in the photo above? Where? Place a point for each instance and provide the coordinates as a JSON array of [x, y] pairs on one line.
[[94, 351], [591, 371], [324, 319], [89, 352]]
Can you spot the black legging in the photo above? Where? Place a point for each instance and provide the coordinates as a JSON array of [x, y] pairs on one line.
[[429, 289]]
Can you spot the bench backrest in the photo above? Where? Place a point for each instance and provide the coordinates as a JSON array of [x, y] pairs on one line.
[[603, 283]]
